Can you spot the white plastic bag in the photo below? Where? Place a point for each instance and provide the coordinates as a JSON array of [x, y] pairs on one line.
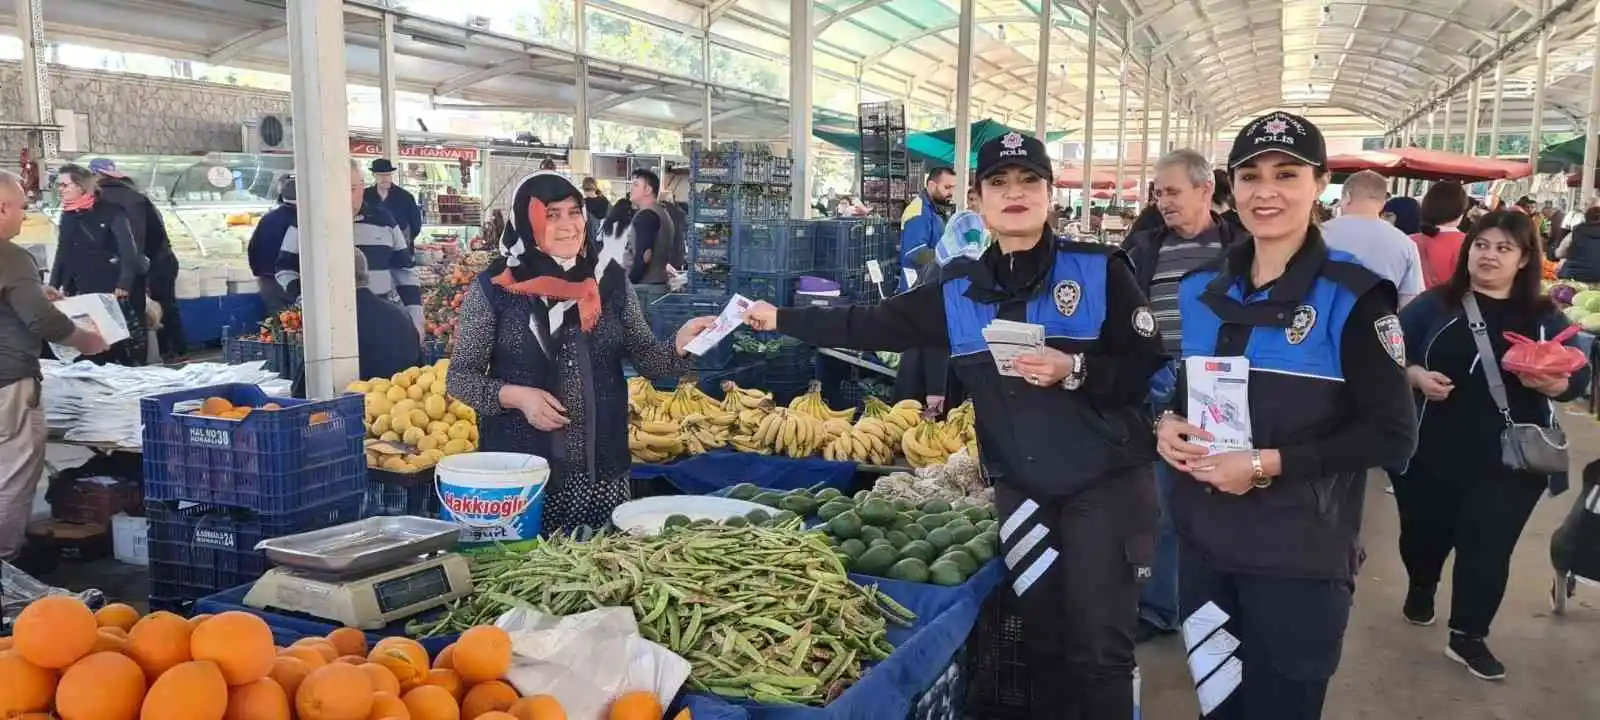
[[588, 660], [99, 313]]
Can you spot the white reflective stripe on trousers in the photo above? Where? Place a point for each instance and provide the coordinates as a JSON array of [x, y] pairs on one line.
[[1213, 662]]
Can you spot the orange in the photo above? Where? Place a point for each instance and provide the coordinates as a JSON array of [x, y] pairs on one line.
[[431, 702], [110, 639], [348, 641], [159, 641], [5, 643], [55, 632], [117, 615], [329, 654], [447, 679], [447, 657], [215, 406], [352, 659], [260, 700], [335, 691], [306, 654], [192, 690], [538, 707], [491, 695], [382, 679], [408, 664], [496, 715], [27, 687], [238, 642], [388, 705], [103, 686], [636, 705], [195, 621], [289, 672], [482, 654]]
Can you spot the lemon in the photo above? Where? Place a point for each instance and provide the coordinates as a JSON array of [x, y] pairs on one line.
[[442, 367], [422, 462], [455, 447], [460, 430], [425, 380], [396, 394], [413, 435], [433, 455], [401, 380], [459, 409], [427, 442], [434, 406], [439, 427], [449, 419], [380, 425], [420, 418], [394, 462], [378, 404], [416, 393], [399, 422], [373, 460], [472, 434], [390, 436], [379, 385], [440, 438], [359, 387]]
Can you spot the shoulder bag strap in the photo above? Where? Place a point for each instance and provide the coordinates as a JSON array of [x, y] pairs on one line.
[[1491, 366]]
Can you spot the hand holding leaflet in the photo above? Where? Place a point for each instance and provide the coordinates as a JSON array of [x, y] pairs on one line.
[[1219, 401], [731, 317]]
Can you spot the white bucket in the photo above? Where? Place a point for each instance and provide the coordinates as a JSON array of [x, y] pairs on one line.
[[493, 496]]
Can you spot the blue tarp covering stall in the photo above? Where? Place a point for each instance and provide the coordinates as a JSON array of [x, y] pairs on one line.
[[706, 474]]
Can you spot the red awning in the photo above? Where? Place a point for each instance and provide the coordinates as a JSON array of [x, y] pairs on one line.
[[1129, 195], [1072, 178], [1420, 164]]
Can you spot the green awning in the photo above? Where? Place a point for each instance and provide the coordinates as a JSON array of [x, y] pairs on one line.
[[937, 147]]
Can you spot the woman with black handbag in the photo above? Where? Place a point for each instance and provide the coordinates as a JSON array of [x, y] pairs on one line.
[[1488, 443]]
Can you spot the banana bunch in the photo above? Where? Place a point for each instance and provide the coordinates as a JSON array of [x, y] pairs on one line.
[[929, 443], [702, 433], [859, 446], [963, 422], [642, 395], [688, 400], [653, 441], [790, 433], [749, 406], [903, 416], [812, 404], [747, 443]]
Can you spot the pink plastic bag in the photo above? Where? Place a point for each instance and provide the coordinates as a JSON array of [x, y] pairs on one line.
[[1543, 357]]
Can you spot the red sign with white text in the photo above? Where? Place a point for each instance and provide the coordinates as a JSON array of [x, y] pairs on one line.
[[368, 148]]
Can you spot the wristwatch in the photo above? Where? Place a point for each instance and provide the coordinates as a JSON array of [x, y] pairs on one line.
[[1074, 379], [1258, 475]]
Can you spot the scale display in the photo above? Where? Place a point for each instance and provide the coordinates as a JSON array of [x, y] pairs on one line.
[[405, 591]]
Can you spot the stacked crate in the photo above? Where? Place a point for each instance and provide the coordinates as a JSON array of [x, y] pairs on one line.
[[217, 486], [731, 183], [863, 255], [882, 163]]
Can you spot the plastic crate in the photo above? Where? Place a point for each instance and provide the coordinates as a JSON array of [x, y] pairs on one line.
[[435, 350], [272, 461], [776, 246], [774, 287], [782, 171], [390, 493], [997, 661], [946, 699], [713, 279], [285, 358], [849, 244], [709, 244], [858, 287], [715, 204], [790, 370], [200, 549], [854, 392], [713, 165]]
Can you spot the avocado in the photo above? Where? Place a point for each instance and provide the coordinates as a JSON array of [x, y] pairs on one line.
[[979, 513], [876, 512], [914, 531], [845, 525], [934, 507], [940, 539], [875, 560], [700, 523], [782, 516], [984, 525], [736, 521], [826, 494], [979, 549], [929, 522], [901, 504], [920, 549], [758, 517], [674, 521], [883, 542], [959, 556], [961, 532], [870, 533], [852, 548], [769, 499], [990, 538], [901, 520], [897, 538], [743, 491], [861, 496], [944, 572], [799, 504], [832, 510], [909, 570]]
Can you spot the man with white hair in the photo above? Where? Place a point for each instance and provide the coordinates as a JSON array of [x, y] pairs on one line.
[[1377, 244]]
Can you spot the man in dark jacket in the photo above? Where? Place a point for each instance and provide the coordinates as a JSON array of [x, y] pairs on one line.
[[265, 243], [397, 200], [150, 236]]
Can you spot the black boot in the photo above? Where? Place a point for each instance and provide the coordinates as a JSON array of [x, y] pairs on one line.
[[1419, 605]]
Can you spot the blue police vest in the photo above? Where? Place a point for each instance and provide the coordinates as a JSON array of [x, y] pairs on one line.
[[1070, 306], [1308, 348]]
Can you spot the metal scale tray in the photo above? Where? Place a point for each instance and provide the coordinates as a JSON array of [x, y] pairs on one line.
[[363, 546]]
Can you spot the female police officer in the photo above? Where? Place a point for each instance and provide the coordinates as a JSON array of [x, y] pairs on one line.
[[1271, 535], [1063, 431]]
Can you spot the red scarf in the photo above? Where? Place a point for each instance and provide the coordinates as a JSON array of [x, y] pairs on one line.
[[84, 203], [587, 293]]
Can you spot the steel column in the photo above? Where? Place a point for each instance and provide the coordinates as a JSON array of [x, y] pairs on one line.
[[37, 107], [1474, 113], [1591, 144], [1041, 90], [1494, 111], [1122, 121], [963, 157], [1144, 128], [1091, 70], [1166, 109], [387, 94], [1449, 122], [1540, 74], [705, 74], [801, 32]]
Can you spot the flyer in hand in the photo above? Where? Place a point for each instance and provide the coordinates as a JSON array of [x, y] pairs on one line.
[[1219, 401], [1008, 340]]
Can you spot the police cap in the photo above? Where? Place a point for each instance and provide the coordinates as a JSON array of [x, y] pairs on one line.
[[1281, 132], [1014, 149]]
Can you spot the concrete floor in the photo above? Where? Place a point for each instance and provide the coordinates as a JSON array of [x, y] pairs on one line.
[[1396, 671]]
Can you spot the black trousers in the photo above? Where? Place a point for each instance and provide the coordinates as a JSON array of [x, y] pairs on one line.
[[164, 290], [1260, 647], [1074, 565], [1477, 514]]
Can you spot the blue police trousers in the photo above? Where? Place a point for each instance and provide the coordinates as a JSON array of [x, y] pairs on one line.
[[1260, 647]]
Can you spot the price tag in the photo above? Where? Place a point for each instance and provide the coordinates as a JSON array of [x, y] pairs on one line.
[[219, 176], [874, 271]]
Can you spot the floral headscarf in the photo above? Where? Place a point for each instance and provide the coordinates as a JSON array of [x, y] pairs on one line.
[[528, 271]]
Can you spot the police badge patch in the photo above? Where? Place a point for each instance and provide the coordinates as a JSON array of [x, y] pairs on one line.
[[1305, 318], [1393, 339], [1143, 322], [1067, 293]]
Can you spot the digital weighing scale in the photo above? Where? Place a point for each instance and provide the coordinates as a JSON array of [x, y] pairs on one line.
[[366, 574]]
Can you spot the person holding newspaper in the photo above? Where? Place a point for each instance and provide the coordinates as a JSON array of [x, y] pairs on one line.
[[1295, 361], [1063, 427]]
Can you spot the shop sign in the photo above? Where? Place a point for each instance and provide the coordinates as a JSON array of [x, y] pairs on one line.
[[368, 148]]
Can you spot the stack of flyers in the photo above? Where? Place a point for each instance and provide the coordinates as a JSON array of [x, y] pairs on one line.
[[1219, 401], [729, 320], [1007, 340]]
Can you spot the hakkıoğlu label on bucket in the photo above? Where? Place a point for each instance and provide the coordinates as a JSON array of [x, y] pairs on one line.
[[494, 497]]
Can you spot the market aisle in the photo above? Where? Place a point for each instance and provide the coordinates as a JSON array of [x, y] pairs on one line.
[[1394, 671]]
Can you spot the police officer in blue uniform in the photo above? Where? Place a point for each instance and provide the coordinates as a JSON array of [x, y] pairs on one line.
[[1271, 534], [1063, 431]]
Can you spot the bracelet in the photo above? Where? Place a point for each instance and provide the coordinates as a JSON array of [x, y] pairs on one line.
[[1156, 426], [1258, 474]]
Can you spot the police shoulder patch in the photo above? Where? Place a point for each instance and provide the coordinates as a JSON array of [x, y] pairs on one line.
[[1392, 338], [1067, 294], [1305, 318], [1143, 322]]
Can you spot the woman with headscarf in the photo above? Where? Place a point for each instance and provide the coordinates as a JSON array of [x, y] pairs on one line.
[[1407, 214], [542, 336]]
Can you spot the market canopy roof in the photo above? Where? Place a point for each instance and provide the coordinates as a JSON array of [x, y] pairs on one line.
[[936, 147], [1421, 164]]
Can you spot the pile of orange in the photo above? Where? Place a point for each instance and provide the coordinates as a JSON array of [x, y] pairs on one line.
[[115, 665], [221, 408]]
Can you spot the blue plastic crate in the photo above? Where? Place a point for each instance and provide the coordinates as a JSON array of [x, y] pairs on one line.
[[390, 493], [200, 549], [715, 204], [858, 288], [713, 166], [854, 392], [286, 358], [782, 171], [774, 287], [849, 244], [287, 627], [776, 246], [673, 310], [273, 461], [709, 243]]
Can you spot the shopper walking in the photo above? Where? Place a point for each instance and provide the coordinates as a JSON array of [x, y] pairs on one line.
[[27, 319], [400, 203], [1580, 250], [1191, 233], [150, 236], [1439, 236], [1378, 245], [1457, 493], [922, 223], [1271, 535], [266, 241], [595, 206], [1064, 433], [653, 238], [96, 253]]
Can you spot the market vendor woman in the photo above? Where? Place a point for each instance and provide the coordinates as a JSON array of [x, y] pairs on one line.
[[1063, 433], [539, 350]]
